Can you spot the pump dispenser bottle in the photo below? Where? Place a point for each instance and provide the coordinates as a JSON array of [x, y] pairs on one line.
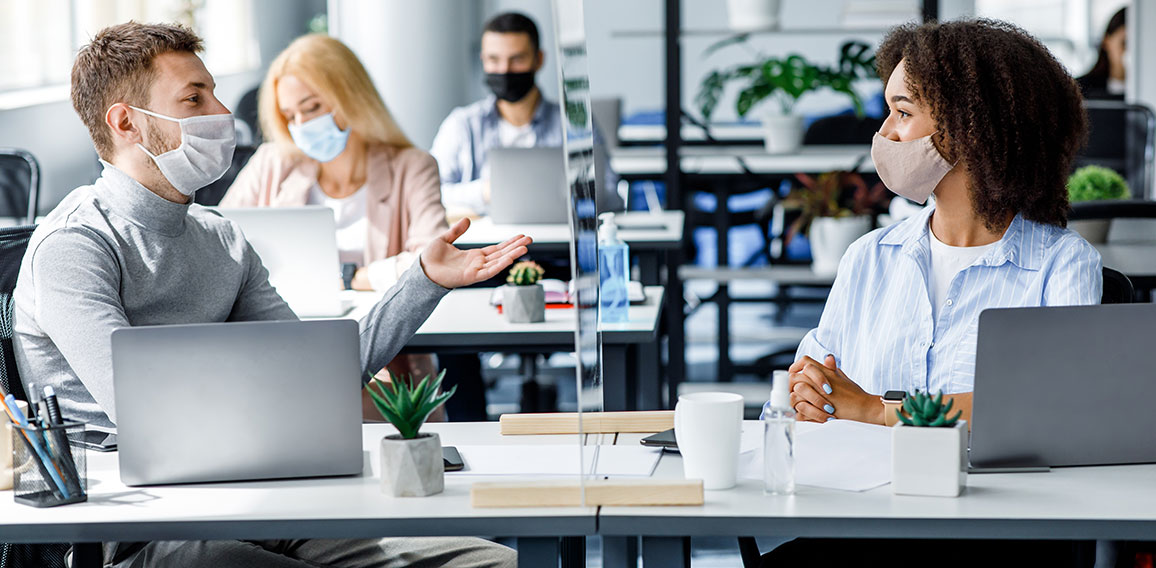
[[614, 273], [779, 438]]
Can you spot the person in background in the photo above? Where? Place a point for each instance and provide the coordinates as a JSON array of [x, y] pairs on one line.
[[132, 249], [332, 142], [515, 115], [1106, 79]]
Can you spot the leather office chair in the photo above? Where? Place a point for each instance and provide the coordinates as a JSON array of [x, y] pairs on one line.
[[213, 193], [13, 243], [19, 185]]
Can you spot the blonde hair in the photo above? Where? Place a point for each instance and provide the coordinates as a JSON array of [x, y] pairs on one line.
[[328, 66]]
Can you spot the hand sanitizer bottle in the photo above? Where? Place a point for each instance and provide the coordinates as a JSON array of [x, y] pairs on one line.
[[779, 438], [614, 273]]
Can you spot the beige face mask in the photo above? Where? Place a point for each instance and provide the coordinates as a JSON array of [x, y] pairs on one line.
[[911, 169]]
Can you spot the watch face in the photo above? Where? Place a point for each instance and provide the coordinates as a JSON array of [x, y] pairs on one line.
[[894, 396]]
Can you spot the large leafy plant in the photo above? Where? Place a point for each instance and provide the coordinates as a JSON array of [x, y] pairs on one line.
[[832, 194], [785, 80], [406, 407]]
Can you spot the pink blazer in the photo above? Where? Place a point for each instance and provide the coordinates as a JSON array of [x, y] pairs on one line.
[[404, 204]]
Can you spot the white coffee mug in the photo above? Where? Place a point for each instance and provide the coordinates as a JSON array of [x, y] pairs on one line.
[[708, 426], [6, 446]]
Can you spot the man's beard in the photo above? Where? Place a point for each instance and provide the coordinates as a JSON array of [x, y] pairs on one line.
[[158, 143]]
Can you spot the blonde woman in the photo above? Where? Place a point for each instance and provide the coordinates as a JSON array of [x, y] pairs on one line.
[[331, 141]]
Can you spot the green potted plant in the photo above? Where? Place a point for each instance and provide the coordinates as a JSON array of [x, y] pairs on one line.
[[411, 462], [835, 209], [523, 299], [784, 80], [1095, 183], [928, 448]]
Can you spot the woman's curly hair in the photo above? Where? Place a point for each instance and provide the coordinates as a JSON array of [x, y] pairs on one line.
[[1005, 108]]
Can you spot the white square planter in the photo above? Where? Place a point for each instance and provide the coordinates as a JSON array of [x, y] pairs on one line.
[[929, 461]]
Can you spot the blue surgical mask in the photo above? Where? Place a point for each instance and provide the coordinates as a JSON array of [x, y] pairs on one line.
[[320, 138]]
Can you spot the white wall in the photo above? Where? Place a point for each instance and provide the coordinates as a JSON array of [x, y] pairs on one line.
[[55, 135]]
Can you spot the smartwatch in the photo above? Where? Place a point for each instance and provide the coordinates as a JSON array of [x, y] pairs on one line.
[[892, 401]]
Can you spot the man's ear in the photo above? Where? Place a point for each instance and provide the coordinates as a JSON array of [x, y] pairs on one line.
[[541, 60], [119, 120]]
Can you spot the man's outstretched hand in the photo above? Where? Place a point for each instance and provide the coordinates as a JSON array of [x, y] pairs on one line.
[[451, 267]]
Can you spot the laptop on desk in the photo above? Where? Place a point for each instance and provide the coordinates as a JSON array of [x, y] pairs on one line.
[[298, 245], [237, 401], [1064, 386], [528, 186]]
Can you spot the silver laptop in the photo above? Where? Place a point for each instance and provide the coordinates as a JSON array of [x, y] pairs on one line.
[[528, 185], [298, 245], [237, 401], [1064, 386]]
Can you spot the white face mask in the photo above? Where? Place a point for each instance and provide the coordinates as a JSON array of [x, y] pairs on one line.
[[205, 153], [911, 169]]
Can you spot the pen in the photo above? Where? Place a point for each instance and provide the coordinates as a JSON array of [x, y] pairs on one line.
[[45, 461], [33, 403], [53, 406]]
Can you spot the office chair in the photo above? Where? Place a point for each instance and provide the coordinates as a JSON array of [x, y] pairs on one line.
[[1117, 288], [246, 111], [19, 185], [842, 129], [13, 243], [1122, 137], [213, 193]]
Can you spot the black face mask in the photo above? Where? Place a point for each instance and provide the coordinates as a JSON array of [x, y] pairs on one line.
[[510, 87]]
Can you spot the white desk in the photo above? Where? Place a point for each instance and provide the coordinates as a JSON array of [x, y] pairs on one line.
[[1117, 502], [335, 507], [465, 321], [643, 231], [656, 133], [725, 160]]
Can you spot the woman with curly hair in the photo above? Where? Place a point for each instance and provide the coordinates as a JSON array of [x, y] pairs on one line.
[[985, 118]]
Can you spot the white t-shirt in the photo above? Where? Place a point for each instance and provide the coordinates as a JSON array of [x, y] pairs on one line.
[[510, 136], [352, 225], [946, 262]]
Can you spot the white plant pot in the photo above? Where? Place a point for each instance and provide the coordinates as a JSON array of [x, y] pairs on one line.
[[929, 461], [830, 237], [750, 15], [782, 133], [1094, 231], [412, 468], [524, 304]]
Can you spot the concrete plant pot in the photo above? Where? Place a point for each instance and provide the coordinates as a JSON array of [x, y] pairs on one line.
[[412, 468], [782, 133], [830, 237], [1094, 231], [929, 461], [524, 304], [751, 15]]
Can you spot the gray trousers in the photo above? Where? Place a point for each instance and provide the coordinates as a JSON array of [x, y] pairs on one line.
[[416, 552]]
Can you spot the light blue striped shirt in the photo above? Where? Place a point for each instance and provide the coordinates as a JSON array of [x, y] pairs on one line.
[[878, 319]]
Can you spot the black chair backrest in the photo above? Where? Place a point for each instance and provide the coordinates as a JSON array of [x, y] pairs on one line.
[[1122, 136], [1113, 209], [246, 110], [213, 193], [842, 129], [1117, 288], [19, 185], [13, 243]]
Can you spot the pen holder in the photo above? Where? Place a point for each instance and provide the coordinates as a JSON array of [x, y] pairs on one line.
[[49, 466]]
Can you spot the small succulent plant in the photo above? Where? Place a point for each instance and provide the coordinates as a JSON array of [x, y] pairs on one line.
[[406, 407], [525, 273], [926, 410]]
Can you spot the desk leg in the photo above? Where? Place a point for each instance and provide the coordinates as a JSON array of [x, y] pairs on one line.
[[537, 552], [675, 330], [648, 262], [665, 551], [615, 378], [574, 552], [647, 371], [619, 552]]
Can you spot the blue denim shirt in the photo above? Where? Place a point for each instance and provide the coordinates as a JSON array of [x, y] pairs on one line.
[[469, 132], [878, 319]]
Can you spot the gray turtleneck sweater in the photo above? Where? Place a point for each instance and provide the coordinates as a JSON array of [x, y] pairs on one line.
[[114, 254]]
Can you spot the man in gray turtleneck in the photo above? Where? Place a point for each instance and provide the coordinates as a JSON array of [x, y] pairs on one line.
[[132, 250]]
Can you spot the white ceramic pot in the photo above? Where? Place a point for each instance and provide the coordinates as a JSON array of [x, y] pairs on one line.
[[412, 468], [750, 15], [524, 304], [830, 237], [1093, 230], [929, 461], [782, 133]]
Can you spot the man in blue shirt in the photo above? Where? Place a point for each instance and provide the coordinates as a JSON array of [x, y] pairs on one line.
[[515, 115]]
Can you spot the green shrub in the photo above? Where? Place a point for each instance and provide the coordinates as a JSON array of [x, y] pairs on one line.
[[1093, 183]]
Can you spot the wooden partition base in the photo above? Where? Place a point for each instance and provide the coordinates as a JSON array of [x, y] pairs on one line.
[[599, 492], [592, 422]]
